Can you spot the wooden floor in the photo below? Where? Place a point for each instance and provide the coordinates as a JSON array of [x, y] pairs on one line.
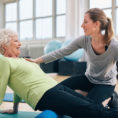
[[24, 106]]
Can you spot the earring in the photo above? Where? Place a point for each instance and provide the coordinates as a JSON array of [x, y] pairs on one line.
[[103, 32]]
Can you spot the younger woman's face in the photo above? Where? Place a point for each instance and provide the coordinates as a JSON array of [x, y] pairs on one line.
[[89, 27]]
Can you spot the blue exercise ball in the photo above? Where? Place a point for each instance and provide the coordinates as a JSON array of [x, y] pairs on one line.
[[47, 114], [52, 46], [75, 56]]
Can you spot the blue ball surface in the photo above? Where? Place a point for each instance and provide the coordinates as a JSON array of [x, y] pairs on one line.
[[52, 46], [47, 114]]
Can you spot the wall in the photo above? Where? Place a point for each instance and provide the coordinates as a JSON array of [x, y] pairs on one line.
[[75, 14], [1, 14]]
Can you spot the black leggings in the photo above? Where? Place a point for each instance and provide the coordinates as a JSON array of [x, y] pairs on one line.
[[64, 100], [96, 92]]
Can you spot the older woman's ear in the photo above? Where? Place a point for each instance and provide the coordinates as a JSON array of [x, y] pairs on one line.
[[3, 49]]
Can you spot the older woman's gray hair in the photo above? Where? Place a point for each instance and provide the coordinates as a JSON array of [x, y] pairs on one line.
[[5, 37]]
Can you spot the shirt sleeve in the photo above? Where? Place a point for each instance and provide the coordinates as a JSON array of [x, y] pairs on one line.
[[69, 49], [17, 99], [115, 49], [4, 77]]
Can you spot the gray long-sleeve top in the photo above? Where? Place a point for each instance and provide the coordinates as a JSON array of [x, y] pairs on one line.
[[101, 69]]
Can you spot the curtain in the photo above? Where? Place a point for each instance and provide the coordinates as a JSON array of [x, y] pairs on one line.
[[74, 18]]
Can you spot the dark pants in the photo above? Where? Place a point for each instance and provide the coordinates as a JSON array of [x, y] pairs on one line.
[[64, 100], [96, 92]]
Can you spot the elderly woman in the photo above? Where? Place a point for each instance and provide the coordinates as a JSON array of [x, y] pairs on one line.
[[42, 92]]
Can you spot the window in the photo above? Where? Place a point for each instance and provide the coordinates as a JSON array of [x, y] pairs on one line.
[[106, 5], [11, 16], [25, 9], [110, 7], [43, 28], [60, 26], [60, 19], [100, 3], [12, 26], [37, 19], [117, 3], [26, 30], [44, 19], [43, 8]]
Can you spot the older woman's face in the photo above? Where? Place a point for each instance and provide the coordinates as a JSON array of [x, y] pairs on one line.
[[13, 48]]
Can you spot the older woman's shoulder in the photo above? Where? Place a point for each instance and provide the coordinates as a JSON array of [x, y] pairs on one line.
[[3, 60]]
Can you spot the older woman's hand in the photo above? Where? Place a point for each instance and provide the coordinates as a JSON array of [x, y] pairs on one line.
[[8, 111]]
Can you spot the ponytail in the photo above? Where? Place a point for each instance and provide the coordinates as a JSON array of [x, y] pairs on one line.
[[109, 32]]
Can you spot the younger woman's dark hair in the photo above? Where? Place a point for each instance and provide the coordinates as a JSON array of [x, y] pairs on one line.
[[97, 14]]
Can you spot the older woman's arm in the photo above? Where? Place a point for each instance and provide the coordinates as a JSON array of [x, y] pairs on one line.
[[11, 111], [17, 99]]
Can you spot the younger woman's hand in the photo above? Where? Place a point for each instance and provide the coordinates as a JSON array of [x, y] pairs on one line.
[[37, 60], [31, 60]]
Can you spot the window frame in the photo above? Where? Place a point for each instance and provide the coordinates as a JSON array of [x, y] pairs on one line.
[[34, 18]]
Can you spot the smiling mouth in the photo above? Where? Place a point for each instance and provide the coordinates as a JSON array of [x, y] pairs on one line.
[[18, 48]]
